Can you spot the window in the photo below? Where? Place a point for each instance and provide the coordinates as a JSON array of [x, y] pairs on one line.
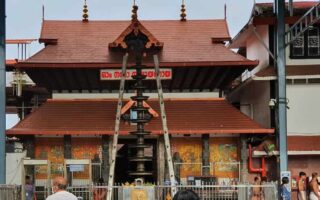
[[306, 45], [313, 42]]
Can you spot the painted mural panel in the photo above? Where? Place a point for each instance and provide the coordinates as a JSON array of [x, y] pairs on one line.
[[51, 149], [87, 148], [188, 151], [224, 157]]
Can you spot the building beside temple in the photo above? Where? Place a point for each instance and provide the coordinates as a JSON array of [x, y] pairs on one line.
[[256, 93], [78, 72]]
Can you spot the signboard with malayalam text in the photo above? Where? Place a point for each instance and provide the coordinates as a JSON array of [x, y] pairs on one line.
[[115, 74]]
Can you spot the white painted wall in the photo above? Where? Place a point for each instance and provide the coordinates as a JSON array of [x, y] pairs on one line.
[[14, 167], [256, 50], [9, 79], [303, 115], [254, 99]]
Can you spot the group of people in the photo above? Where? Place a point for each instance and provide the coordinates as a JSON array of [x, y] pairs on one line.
[[308, 188]]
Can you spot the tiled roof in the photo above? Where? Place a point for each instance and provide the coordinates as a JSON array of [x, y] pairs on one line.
[[11, 62], [185, 43], [292, 71], [303, 143], [188, 116]]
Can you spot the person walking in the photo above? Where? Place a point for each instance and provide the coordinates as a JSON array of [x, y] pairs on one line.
[[59, 190], [29, 188], [314, 188], [285, 193], [302, 192]]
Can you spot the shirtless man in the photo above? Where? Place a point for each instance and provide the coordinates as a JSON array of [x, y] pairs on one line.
[[314, 189], [256, 190], [302, 195]]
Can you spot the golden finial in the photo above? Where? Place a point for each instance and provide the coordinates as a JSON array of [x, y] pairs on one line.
[[134, 16], [183, 14], [85, 15]]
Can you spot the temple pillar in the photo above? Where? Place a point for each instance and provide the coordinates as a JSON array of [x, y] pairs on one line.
[[105, 157], [67, 153], [29, 143], [205, 155], [244, 160]]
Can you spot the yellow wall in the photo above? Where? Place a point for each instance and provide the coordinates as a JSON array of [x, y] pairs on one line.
[[224, 150], [190, 151]]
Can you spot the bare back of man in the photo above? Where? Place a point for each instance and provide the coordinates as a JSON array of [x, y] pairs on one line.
[[314, 190]]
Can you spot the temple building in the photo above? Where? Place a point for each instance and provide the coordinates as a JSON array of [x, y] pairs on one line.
[[78, 72]]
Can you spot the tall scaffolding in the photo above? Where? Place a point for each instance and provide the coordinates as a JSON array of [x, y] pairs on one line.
[[2, 93]]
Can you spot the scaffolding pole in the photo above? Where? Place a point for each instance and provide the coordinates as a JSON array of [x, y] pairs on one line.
[[2, 93], [281, 90]]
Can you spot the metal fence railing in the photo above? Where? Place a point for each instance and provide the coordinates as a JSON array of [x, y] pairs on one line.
[[205, 192], [10, 192], [153, 192]]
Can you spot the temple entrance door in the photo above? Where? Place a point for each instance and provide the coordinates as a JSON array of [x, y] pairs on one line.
[[123, 166]]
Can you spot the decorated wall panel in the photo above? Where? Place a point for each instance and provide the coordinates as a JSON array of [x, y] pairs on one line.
[[189, 151], [51, 149], [224, 157], [87, 148]]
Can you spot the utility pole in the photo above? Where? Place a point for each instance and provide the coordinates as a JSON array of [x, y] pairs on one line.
[[281, 86], [2, 92]]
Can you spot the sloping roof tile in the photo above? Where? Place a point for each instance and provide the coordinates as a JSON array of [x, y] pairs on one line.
[[184, 42], [211, 116]]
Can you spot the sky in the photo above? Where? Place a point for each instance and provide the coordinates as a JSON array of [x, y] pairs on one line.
[[24, 17]]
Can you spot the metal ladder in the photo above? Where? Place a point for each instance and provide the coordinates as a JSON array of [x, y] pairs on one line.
[[117, 127], [307, 20], [165, 127]]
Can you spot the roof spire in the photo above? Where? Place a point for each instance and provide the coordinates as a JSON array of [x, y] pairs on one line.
[[85, 15], [225, 11], [183, 14], [134, 16]]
